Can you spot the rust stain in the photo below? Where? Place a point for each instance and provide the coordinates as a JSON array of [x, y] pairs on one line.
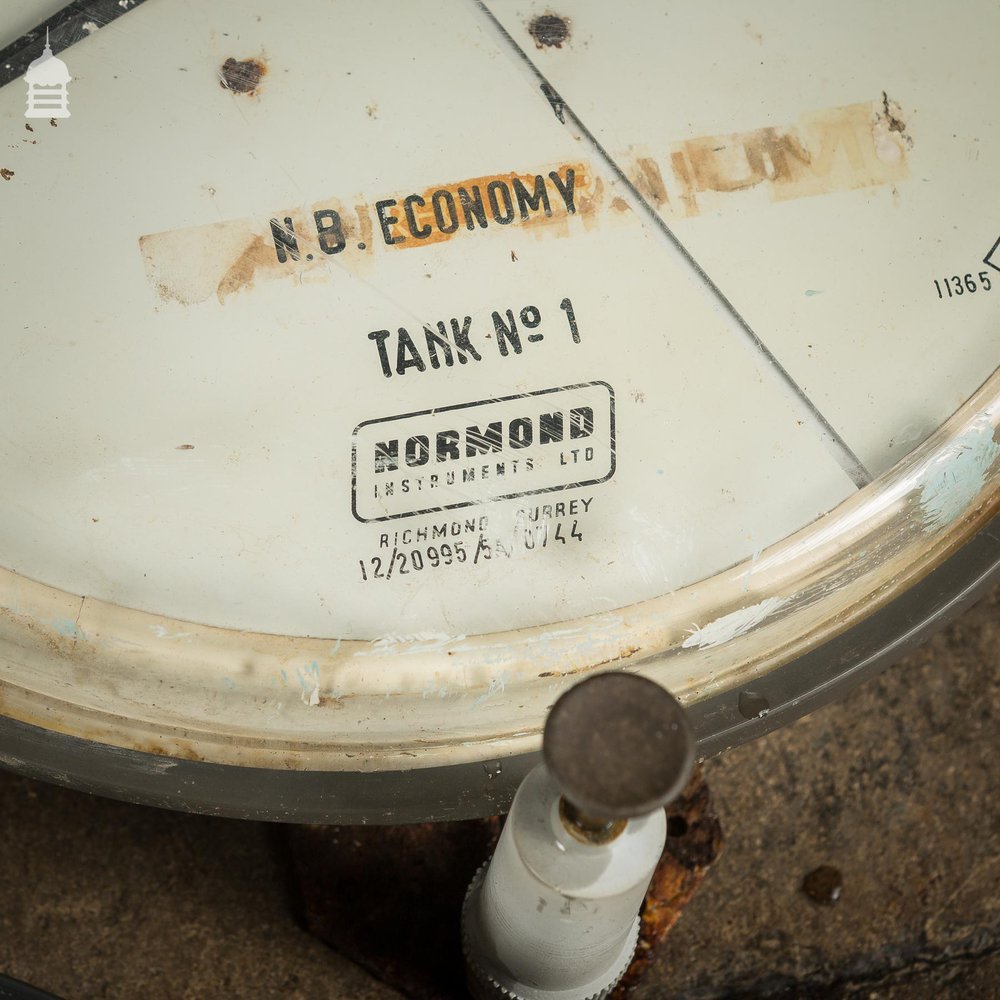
[[549, 30], [172, 747], [446, 211], [888, 132], [222, 258], [837, 149], [694, 843], [57, 643], [624, 654], [6, 174], [257, 255], [364, 230], [590, 209], [242, 76], [892, 111], [591, 200], [184, 447], [683, 174], [826, 151], [648, 181], [719, 165]]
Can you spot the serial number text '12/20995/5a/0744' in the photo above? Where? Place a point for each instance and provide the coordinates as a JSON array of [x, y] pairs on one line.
[[471, 542]]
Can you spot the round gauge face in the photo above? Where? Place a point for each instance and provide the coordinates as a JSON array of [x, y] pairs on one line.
[[369, 374]]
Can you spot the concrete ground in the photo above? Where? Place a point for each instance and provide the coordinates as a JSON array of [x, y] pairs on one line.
[[895, 787]]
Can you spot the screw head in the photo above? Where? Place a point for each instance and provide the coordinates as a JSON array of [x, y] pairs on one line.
[[618, 745]]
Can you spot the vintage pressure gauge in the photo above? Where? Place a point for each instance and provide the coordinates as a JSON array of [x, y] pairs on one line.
[[370, 373]]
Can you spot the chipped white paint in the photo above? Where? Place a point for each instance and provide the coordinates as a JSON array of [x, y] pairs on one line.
[[750, 568], [157, 765], [409, 645], [736, 623], [162, 632], [496, 687], [309, 682]]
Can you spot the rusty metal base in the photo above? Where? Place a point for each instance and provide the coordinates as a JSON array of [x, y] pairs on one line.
[[390, 898]]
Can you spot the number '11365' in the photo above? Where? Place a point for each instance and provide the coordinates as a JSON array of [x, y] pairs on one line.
[[958, 284]]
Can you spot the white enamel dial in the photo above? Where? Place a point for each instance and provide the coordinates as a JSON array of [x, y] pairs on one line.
[[366, 371]]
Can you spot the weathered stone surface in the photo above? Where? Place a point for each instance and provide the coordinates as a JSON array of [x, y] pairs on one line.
[[896, 786], [390, 898], [103, 900]]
